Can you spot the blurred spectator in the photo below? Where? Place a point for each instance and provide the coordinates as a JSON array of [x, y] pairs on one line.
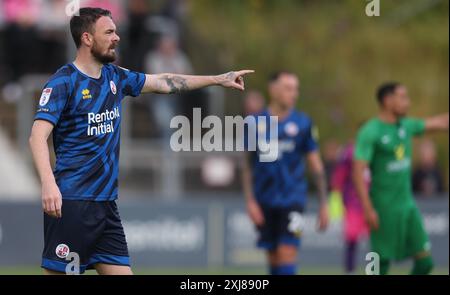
[[176, 10], [331, 154], [115, 6], [21, 11], [52, 25], [167, 58], [138, 38], [427, 177], [33, 29], [355, 227], [53, 15], [253, 102], [20, 36], [2, 16]]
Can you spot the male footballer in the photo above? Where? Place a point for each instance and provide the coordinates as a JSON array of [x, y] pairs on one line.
[[384, 145], [81, 106], [276, 191]]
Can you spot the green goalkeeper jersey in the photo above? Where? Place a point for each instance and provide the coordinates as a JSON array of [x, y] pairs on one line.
[[387, 148]]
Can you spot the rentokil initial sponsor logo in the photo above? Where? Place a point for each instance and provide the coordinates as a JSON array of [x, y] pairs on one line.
[[102, 123]]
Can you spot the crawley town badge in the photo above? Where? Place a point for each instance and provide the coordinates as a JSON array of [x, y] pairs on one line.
[[113, 87], [291, 129], [62, 250]]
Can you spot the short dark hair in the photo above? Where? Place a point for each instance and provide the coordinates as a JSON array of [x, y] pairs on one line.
[[386, 89], [276, 75], [84, 22]]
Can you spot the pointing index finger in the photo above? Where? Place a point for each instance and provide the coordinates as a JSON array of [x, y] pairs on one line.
[[244, 72]]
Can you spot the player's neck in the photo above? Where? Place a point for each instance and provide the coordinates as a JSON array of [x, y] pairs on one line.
[[388, 117], [88, 65], [280, 112]]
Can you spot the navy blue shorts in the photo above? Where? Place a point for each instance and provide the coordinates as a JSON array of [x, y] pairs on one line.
[[90, 229], [282, 226]]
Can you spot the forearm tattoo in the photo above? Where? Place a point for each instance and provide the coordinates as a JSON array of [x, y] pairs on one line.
[[175, 83], [321, 185]]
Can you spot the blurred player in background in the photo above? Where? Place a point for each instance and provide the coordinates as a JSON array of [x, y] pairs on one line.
[[275, 192], [355, 227], [384, 145], [81, 105]]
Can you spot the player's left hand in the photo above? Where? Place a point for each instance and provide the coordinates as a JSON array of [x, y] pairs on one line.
[[323, 218], [234, 79]]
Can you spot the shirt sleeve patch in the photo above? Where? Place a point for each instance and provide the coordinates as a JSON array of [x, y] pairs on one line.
[[45, 96]]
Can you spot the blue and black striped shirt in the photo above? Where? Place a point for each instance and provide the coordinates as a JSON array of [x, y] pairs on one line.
[[86, 114]]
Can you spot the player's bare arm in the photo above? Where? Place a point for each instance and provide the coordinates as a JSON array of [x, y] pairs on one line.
[[51, 196], [253, 209], [358, 178], [318, 172], [437, 123], [174, 83]]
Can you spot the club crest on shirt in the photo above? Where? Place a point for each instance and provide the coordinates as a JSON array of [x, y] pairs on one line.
[[62, 250], [45, 96], [385, 139], [399, 152], [113, 87], [86, 93], [291, 129]]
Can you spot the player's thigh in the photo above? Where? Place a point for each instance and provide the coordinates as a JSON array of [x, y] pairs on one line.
[[111, 247], [267, 232], [110, 269], [388, 239], [417, 242]]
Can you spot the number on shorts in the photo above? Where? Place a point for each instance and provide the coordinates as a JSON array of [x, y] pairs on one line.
[[296, 222]]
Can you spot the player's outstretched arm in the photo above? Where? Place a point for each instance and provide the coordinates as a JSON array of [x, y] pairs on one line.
[[51, 196], [174, 83], [359, 167], [318, 171], [437, 123]]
